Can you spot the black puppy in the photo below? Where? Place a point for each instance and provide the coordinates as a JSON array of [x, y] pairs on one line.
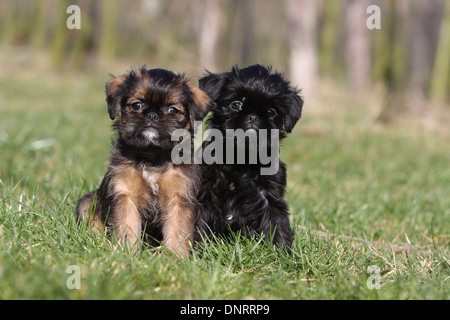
[[236, 196]]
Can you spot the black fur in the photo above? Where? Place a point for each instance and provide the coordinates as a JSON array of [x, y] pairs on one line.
[[236, 196]]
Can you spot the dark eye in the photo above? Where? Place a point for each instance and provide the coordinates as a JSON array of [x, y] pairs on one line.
[[271, 113], [136, 106], [236, 105], [173, 110]]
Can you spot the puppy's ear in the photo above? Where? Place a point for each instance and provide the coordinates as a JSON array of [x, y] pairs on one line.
[[293, 111], [212, 84], [112, 96], [202, 104]]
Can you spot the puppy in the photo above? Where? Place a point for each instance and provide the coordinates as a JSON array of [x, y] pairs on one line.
[[143, 191], [238, 197]]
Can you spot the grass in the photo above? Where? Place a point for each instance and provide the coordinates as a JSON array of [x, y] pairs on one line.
[[360, 196]]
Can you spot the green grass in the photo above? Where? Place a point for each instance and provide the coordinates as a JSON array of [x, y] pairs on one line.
[[360, 196]]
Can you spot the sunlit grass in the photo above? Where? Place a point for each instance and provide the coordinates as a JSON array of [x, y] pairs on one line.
[[360, 196]]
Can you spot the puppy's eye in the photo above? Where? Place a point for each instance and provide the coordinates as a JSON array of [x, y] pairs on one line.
[[136, 106], [236, 105], [173, 110], [271, 113]]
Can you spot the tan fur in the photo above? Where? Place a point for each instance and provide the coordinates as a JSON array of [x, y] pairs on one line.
[[135, 188], [130, 191], [202, 100], [112, 87], [87, 213], [113, 84], [176, 199]]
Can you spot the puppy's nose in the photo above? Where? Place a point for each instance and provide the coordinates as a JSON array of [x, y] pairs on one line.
[[152, 116], [252, 118]]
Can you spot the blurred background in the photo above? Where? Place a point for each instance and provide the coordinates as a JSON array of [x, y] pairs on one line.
[[401, 68]]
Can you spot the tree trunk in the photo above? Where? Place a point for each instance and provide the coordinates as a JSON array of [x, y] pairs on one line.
[[207, 30], [391, 50], [357, 46], [425, 33], [329, 38], [302, 31], [440, 81]]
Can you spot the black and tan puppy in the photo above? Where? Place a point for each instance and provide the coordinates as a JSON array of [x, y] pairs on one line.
[[237, 196], [143, 191]]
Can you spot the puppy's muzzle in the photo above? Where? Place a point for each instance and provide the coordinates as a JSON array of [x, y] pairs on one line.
[[153, 117], [252, 119]]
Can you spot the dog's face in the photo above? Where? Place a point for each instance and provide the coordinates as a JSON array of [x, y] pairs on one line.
[[151, 104], [252, 98]]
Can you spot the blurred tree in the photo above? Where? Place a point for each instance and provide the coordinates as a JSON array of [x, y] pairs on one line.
[[239, 33], [357, 45], [246, 16], [59, 38], [440, 82], [83, 46], [206, 22], [331, 12], [106, 30], [414, 29], [425, 34], [302, 37], [392, 57], [39, 25], [409, 54]]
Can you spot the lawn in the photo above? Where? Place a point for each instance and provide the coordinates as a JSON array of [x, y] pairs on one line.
[[361, 196]]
